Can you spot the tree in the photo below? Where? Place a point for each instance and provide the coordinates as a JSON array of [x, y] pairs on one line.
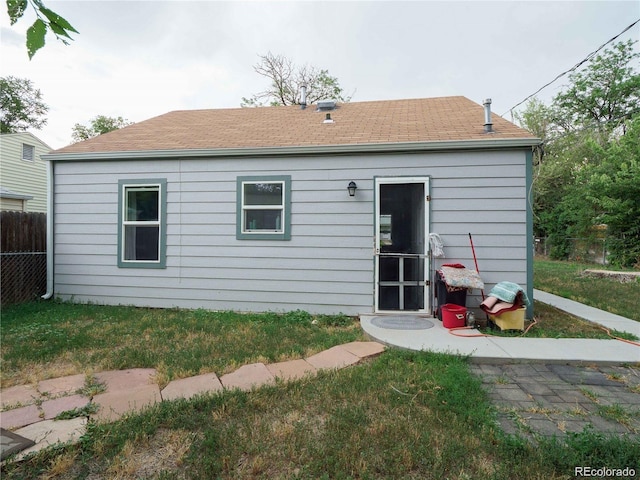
[[576, 186], [612, 189], [21, 105], [97, 126], [47, 20], [605, 94], [539, 120], [287, 81]]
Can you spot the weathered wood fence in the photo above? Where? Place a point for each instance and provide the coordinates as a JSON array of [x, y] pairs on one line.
[[23, 254]]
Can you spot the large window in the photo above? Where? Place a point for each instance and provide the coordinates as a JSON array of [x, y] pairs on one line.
[[142, 223], [263, 210]]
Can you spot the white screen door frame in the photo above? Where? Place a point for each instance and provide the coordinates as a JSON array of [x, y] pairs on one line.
[[401, 245]]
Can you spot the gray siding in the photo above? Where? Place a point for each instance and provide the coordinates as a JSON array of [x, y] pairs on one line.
[[326, 267]]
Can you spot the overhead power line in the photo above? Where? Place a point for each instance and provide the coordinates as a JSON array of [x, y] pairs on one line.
[[586, 59]]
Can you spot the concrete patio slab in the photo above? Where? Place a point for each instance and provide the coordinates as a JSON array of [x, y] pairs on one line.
[[19, 417], [20, 395], [114, 404], [364, 349], [248, 377], [188, 387], [119, 380], [291, 370], [62, 385], [497, 349], [52, 408], [569, 350], [435, 339], [50, 432], [333, 358]]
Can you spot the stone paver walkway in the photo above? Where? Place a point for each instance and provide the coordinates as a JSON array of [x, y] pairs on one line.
[[552, 399], [30, 410]]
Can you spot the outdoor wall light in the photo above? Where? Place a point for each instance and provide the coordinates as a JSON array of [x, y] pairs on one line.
[[352, 188]]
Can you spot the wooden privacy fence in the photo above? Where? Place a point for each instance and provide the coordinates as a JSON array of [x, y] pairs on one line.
[[23, 253]]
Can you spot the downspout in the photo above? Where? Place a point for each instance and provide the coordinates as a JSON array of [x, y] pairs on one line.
[[50, 182]]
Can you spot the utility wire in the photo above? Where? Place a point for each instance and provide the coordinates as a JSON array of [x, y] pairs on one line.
[[591, 126], [586, 59]]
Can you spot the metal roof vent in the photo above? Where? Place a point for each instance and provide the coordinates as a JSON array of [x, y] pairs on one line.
[[328, 119], [488, 124], [303, 95], [326, 105]]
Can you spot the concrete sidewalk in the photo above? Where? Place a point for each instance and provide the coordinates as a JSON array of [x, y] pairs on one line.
[[29, 411], [491, 349]]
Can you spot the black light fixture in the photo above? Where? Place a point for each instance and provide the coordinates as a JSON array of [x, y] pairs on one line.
[[352, 188]]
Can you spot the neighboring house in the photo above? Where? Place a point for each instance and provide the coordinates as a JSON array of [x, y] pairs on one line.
[[23, 173], [249, 209], [13, 201]]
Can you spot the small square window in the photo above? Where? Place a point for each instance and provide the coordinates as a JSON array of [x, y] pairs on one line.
[[28, 152], [264, 208]]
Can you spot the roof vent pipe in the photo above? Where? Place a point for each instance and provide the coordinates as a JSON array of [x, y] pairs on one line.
[[303, 95], [488, 125]]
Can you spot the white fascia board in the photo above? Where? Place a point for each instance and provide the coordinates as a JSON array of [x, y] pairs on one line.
[[300, 150]]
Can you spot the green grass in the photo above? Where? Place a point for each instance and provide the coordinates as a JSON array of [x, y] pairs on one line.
[[50, 339], [566, 279], [402, 415], [554, 323]]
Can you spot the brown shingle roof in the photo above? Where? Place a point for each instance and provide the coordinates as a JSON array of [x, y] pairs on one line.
[[379, 122]]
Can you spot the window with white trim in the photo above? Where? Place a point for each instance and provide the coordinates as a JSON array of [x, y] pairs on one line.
[[264, 208], [28, 152], [142, 223]]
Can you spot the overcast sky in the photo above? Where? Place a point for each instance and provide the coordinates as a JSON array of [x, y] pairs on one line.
[[145, 58]]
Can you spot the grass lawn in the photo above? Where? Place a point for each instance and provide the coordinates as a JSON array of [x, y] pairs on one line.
[[410, 415], [554, 323], [51, 339], [566, 279], [402, 415]]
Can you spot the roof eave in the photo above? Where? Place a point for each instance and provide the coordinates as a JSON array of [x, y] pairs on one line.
[[492, 144], [15, 196]]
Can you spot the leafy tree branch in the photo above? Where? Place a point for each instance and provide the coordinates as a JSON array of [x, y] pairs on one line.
[[47, 20]]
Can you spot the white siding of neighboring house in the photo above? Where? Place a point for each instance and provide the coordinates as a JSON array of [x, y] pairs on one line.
[[326, 267], [12, 205], [22, 176]]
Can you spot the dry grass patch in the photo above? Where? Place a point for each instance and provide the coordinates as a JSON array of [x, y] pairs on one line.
[[31, 372], [61, 466], [163, 453]]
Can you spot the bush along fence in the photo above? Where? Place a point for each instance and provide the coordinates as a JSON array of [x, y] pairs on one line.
[[23, 254]]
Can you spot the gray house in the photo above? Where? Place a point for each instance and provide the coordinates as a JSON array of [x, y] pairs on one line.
[[326, 208]]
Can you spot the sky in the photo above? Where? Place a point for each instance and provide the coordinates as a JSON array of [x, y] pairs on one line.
[[140, 59]]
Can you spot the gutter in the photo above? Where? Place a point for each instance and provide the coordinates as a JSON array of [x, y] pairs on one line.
[[50, 183], [357, 148]]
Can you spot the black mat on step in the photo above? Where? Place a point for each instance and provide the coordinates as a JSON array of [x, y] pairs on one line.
[[12, 443]]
